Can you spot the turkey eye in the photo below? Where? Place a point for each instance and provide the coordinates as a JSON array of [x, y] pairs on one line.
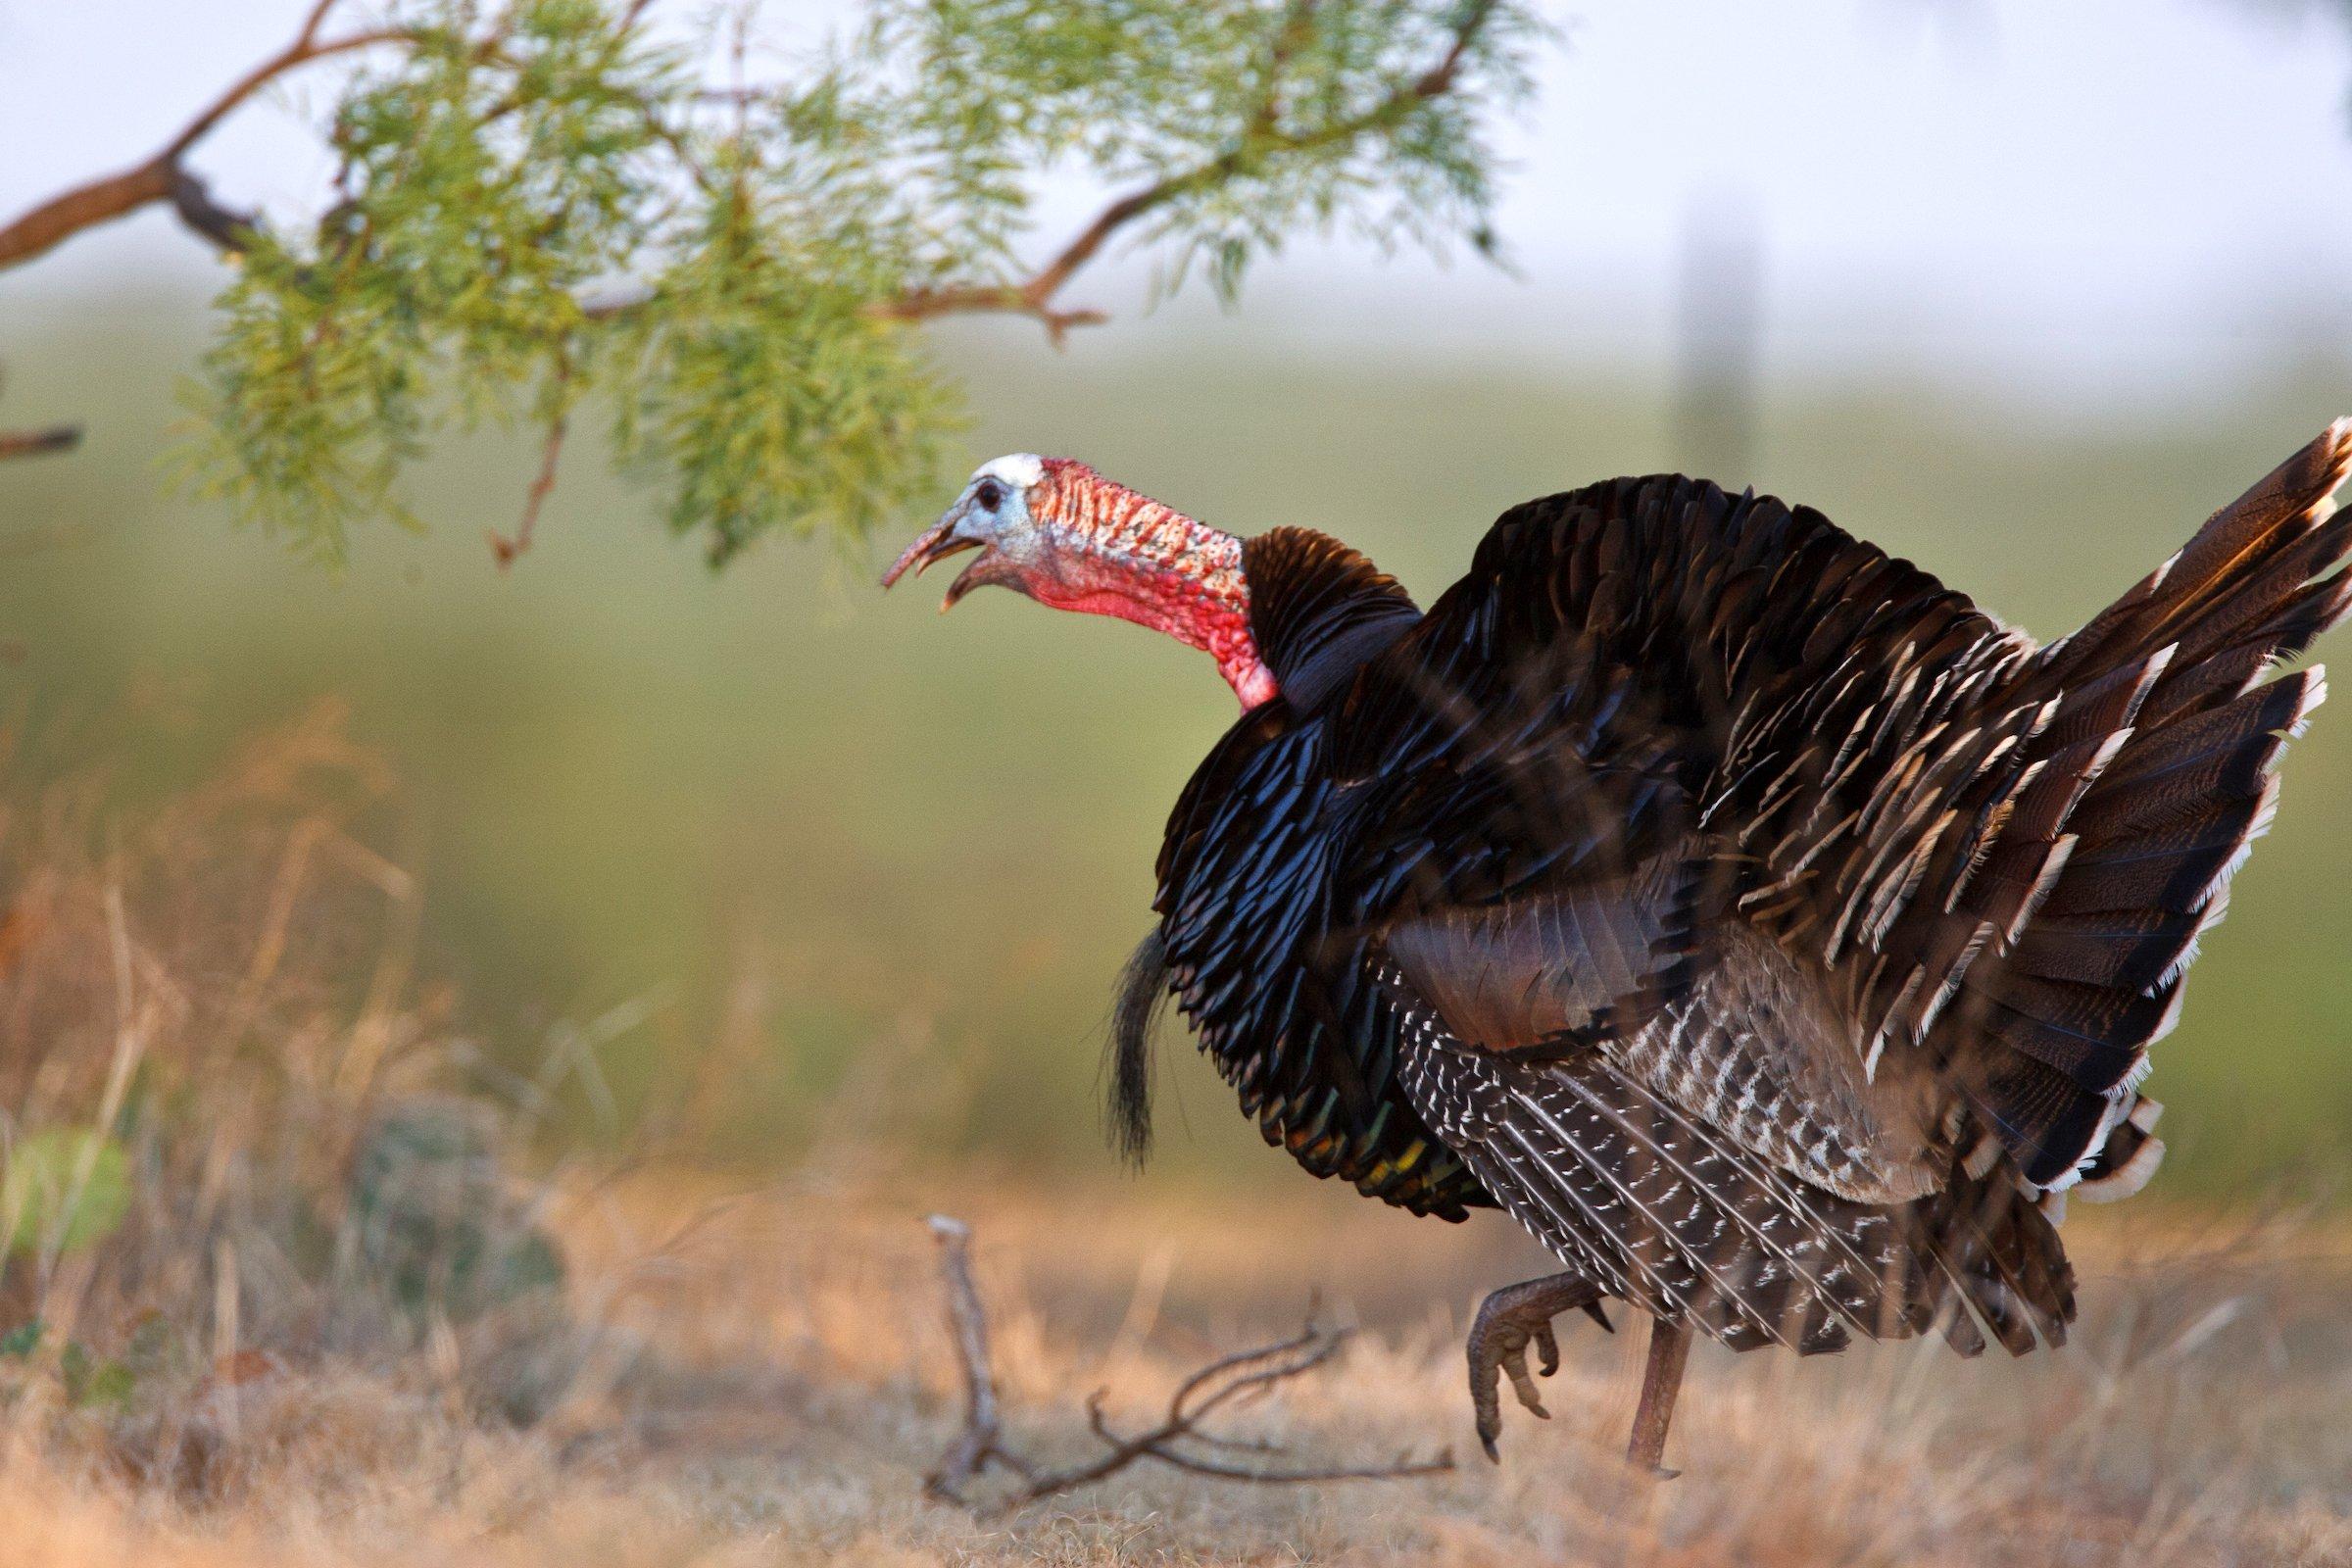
[[988, 495]]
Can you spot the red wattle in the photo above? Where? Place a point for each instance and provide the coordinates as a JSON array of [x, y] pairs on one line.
[[1124, 554]]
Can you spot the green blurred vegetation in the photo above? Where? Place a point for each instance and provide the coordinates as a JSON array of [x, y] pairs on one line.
[[867, 864]]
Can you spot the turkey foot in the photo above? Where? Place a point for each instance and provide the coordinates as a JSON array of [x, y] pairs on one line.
[[1508, 1322]]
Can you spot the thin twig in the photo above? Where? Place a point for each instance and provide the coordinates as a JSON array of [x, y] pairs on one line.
[[506, 547], [312, 23], [192, 202], [302, 52], [1230, 1379]]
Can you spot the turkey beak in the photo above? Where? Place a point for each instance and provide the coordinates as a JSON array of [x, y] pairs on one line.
[[937, 544]]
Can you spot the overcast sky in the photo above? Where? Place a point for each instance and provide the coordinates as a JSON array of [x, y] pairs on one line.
[[2034, 192]]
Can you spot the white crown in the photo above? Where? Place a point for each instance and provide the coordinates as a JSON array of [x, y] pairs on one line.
[[1020, 470]]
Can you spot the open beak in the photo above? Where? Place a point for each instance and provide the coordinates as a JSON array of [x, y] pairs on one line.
[[937, 544]]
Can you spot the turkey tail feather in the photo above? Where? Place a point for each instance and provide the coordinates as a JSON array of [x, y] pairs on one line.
[[1127, 1098], [2054, 1031]]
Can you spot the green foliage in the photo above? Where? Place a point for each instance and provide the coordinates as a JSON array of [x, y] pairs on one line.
[[93, 1380], [756, 374], [436, 1225], [1256, 120], [64, 1187], [487, 175], [544, 200]]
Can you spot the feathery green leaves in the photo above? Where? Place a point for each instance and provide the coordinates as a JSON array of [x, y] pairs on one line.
[[543, 201]]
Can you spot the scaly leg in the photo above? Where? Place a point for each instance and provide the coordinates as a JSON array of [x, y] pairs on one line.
[[1661, 1380], [1508, 1321]]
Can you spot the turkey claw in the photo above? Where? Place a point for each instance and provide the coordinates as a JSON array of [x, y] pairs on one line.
[[1509, 1321]]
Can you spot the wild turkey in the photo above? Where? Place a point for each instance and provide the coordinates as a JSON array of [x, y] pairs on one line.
[[1773, 933]]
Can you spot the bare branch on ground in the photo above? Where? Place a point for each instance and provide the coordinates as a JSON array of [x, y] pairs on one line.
[[1176, 1440]]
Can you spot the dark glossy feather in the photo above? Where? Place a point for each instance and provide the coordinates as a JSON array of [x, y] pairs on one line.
[[1765, 926], [1142, 996]]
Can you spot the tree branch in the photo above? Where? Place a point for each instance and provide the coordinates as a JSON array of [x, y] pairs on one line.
[[1230, 1379], [312, 23], [163, 176], [1273, 118], [32, 443], [1263, 137]]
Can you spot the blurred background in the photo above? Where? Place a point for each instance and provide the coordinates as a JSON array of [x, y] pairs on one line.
[[2020, 291]]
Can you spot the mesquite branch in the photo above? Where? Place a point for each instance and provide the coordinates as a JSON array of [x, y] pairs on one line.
[[166, 178], [697, 253], [1263, 139], [1176, 1440], [29, 443]]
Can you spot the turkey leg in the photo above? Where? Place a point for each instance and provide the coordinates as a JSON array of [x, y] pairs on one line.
[[1661, 1381]]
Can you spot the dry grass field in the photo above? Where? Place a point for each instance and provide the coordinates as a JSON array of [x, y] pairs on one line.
[[764, 1376], [292, 1300]]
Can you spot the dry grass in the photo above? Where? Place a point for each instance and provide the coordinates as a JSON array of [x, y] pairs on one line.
[[767, 1376], [321, 1359]]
